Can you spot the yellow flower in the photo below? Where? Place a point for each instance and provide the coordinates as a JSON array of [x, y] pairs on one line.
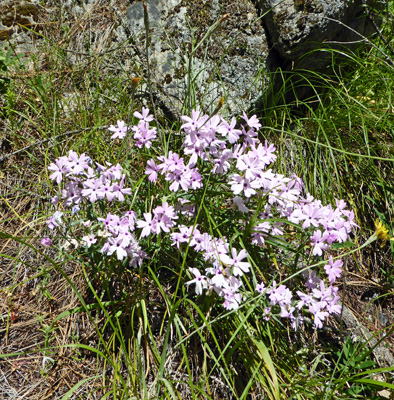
[[382, 232]]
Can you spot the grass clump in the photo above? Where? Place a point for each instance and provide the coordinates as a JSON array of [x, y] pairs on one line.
[[183, 259]]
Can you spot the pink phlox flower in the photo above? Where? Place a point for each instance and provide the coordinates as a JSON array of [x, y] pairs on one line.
[[106, 190], [113, 172], [115, 245], [339, 232], [286, 311], [240, 204], [193, 123], [267, 313], [250, 165], [350, 225], [106, 248], [252, 122], [163, 223], [298, 183], [279, 295], [261, 288], [120, 130], [215, 249], [183, 236], [250, 137], [196, 180], [125, 238], [90, 173], [319, 315], [72, 193], [172, 163], [179, 180], [77, 164], [310, 215], [120, 191], [341, 204], [239, 267], [276, 229], [265, 154], [46, 242], [144, 135], [148, 226], [107, 221], [333, 269], [267, 181], [240, 184], [228, 130], [319, 243], [200, 281], [306, 299], [89, 240], [239, 150], [91, 189], [60, 167], [117, 224], [55, 220], [197, 240], [151, 170], [289, 194], [221, 164], [144, 116], [324, 294], [219, 279], [311, 280], [232, 299], [332, 306], [131, 218], [165, 209]]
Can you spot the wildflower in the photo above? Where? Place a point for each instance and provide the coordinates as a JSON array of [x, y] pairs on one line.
[[46, 242], [54, 220], [318, 314], [253, 121], [149, 225], [151, 170], [260, 288], [200, 280], [59, 168], [145, 115], [119, 131], [239, 266], [333, 269], [228, 130], [89, 240], [381, 232]]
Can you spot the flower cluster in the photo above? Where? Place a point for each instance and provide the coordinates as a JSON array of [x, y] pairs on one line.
[[270, 204], [143, 134]]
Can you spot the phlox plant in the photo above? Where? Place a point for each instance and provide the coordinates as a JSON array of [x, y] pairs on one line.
[[260, 217]]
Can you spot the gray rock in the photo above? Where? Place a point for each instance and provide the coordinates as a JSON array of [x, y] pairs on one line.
[[296, 27], [230, 63]]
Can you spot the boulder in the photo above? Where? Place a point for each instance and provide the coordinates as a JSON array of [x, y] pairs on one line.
[[228, 63], [297, 27], [254, 39]]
